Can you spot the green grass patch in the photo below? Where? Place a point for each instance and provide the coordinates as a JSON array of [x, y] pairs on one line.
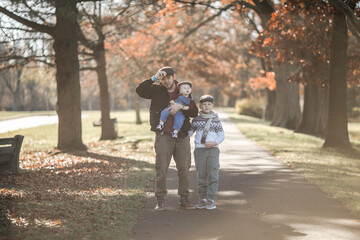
[[45, 137], [336, 173], [354, 132], [96, 194]]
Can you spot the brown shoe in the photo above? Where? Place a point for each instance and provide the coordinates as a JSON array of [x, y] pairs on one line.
[[185, 204], [160, 206]]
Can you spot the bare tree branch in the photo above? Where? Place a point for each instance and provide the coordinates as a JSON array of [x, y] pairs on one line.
[[252, 22], [221, 10], [38, 27], [34, 12], [19, 29], [83, 53], [87, 43], [88, 69], [11, 66], [22, 61], [193, 3]]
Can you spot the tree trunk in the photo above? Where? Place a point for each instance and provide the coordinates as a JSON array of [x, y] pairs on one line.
[[12, 81], [15, 103], [107, 125], [315, 113], [322, 116], [2, 90], [231, 101], [268, 114], [67, 77], [137, 108], [287, 112], [270, 105], [265, 9], [337, 135], [314, 116]]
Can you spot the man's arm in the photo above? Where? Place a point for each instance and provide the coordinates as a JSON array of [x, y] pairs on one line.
[[192, 130], [193, 110], [144, 89]]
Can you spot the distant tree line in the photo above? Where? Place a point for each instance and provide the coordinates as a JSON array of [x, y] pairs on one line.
[[83, 54]]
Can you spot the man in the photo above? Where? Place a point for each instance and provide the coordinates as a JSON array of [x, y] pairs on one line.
[[166, 146]]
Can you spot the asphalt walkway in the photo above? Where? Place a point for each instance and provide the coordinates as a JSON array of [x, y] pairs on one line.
[[29, 122], [26, 122], [259, 197]]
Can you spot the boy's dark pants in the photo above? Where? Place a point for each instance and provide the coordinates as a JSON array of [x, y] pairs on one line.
[[165, 148]]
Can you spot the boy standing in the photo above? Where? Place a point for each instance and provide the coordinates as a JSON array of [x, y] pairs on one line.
[[209, 134]]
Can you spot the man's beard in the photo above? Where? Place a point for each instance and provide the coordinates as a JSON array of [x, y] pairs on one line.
[[170, 85]]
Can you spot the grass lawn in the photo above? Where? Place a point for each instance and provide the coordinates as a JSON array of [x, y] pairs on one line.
[[336, 173], [96, 194], [354, 131]]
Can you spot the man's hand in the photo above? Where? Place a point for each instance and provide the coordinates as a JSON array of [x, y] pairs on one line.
[[210, 144], [160, 74], [175, 108]]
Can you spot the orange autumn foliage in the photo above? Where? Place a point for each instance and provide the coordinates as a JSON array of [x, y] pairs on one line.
[[262, 82]]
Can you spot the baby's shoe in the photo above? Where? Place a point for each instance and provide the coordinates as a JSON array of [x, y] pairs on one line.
[[159, 127], [174, 135]]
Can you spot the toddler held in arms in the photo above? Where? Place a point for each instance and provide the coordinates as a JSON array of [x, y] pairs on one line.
[[184, 99]]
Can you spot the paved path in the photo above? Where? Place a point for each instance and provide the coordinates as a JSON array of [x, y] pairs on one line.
[[259, 198], [26, 122]]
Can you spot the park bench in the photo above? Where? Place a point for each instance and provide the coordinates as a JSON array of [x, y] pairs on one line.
[[113, 120], [98, 123], [9, 154]]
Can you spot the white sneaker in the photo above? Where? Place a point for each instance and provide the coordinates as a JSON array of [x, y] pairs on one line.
[[210, 204], [201, 204]]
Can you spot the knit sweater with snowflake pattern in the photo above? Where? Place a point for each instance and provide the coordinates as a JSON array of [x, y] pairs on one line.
[[215, 134]]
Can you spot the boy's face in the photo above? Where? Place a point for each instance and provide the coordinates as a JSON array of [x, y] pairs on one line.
[[206, 107], [185, 89]]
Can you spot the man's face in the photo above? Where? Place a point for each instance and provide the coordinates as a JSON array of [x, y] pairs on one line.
[[167, 81], [206, 107]]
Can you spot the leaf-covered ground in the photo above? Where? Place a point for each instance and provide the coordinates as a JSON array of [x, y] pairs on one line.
[[82, 195]]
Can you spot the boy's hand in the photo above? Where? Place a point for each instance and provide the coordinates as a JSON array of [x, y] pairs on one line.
[[210, 144]]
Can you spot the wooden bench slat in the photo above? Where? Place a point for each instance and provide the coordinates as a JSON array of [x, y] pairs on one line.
[[4, 158], [7, 141], [4, 150]]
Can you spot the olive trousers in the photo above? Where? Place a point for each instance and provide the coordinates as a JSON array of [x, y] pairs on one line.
[[167, 147]]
